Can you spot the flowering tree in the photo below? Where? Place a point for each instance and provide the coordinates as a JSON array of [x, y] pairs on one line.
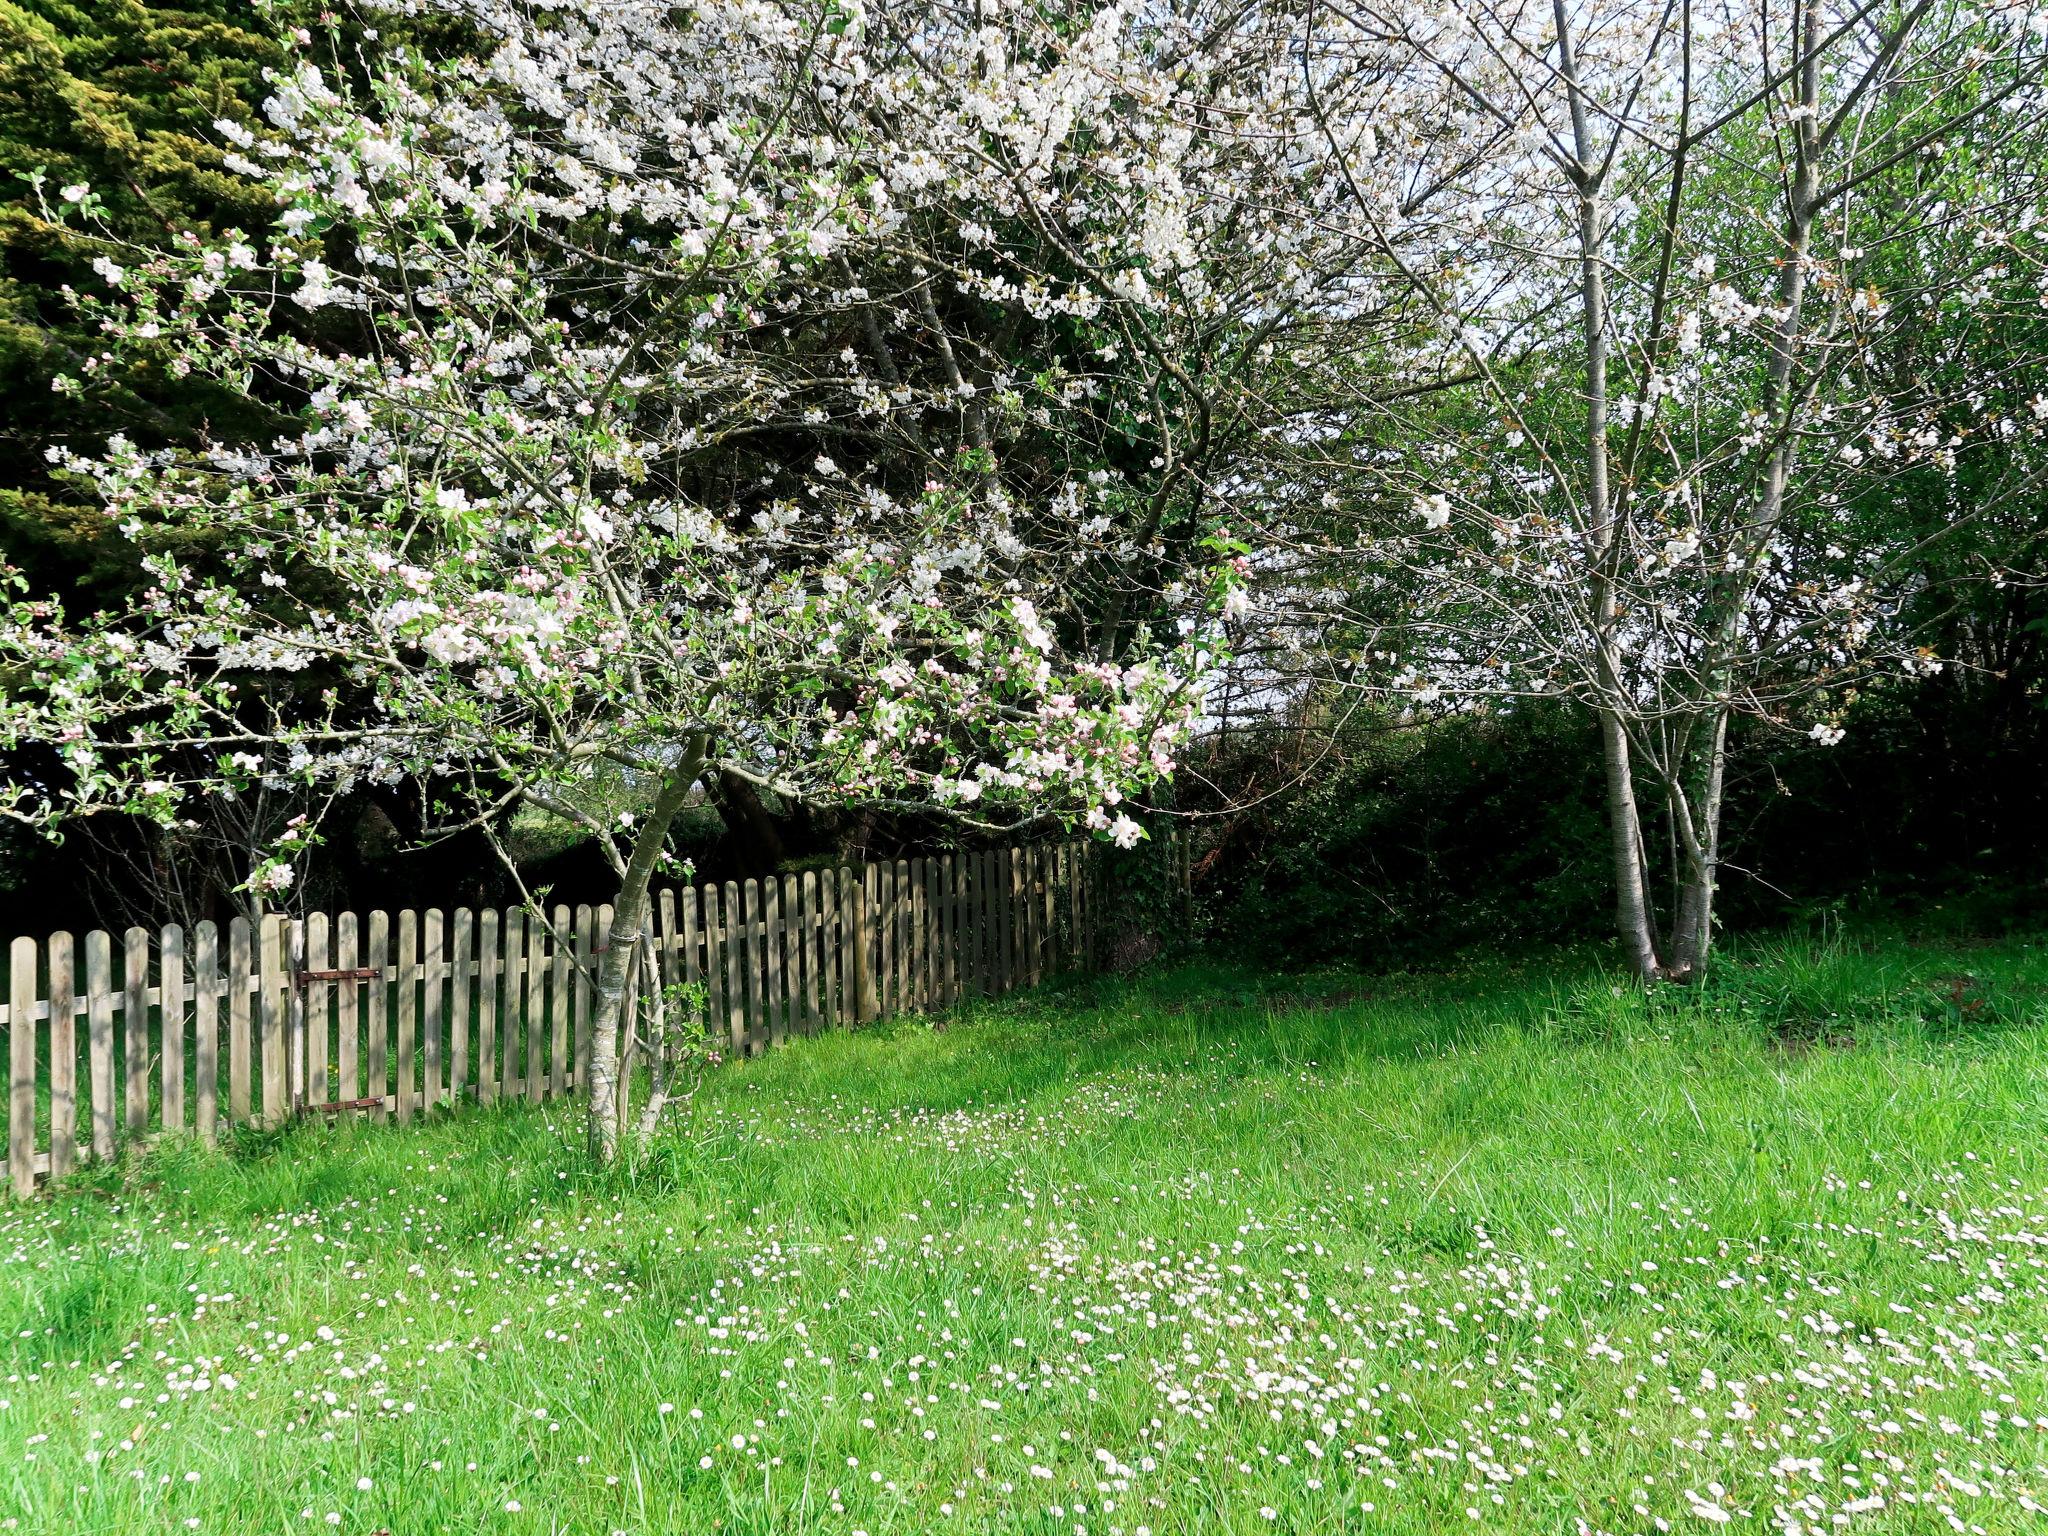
[[823, 396], [1700, 288]]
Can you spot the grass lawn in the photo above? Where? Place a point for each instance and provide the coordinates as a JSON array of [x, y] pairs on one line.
[[1209, 1251]]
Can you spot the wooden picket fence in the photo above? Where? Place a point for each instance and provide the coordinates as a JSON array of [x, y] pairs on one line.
[[112, 1041]]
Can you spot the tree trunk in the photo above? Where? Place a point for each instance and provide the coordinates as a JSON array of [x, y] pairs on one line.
[[1692, 930], [1632, 913], [621, 959]]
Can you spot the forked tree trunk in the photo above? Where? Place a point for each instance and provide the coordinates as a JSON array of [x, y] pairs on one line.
[[1694, 802], [618, 974]]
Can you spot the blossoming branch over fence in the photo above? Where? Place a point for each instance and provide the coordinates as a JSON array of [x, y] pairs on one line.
[[394, 1015]]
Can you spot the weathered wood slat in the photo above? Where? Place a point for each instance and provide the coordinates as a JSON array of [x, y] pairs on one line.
[[63, 1058], [135, 1031], [23, 962], [241, 1038], [270, 1009], [461, 996], [830, 991], [535, 1014], [734, 929], [433, 1018], [755, 965], [710, 911], [406, 967], [206, 1029], [811, 933], [347, 1024], [512, 980], [319, 993], [172, 1009], [377, 1013], [295, 1067], [688, 933], [771, 962], [586, 993], [490, 954], [562, 941]]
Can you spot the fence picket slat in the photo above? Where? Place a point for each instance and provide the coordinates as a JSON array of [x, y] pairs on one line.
[[830, 990], [909, 898], [241, 968], [535, 1016], [866, 1005], [135, 1030], [22, 980], [319, 993], [347, 1025], [998, 922], [377, 1013], [490, 955], [604, 941], [271, 1016], [753, 966], [586, 957], [804, 1017], [407, 967], [171, 1009], [789, 918], [814, 953], [942, 931], [1013, 918], [559, 977], [206, 990], [708, 907], [926, 878], [433, 968], [733, 929], [513, 985], [461, 986], [687, 935], [772, 990], [63, 1057], [294, 1017]]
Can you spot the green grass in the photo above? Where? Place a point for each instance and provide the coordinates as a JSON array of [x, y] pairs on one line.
[[1500, 1249]]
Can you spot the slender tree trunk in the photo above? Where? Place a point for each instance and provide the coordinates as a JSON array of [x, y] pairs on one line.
[[621, 959], [1625, 850], [1692, 930]]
